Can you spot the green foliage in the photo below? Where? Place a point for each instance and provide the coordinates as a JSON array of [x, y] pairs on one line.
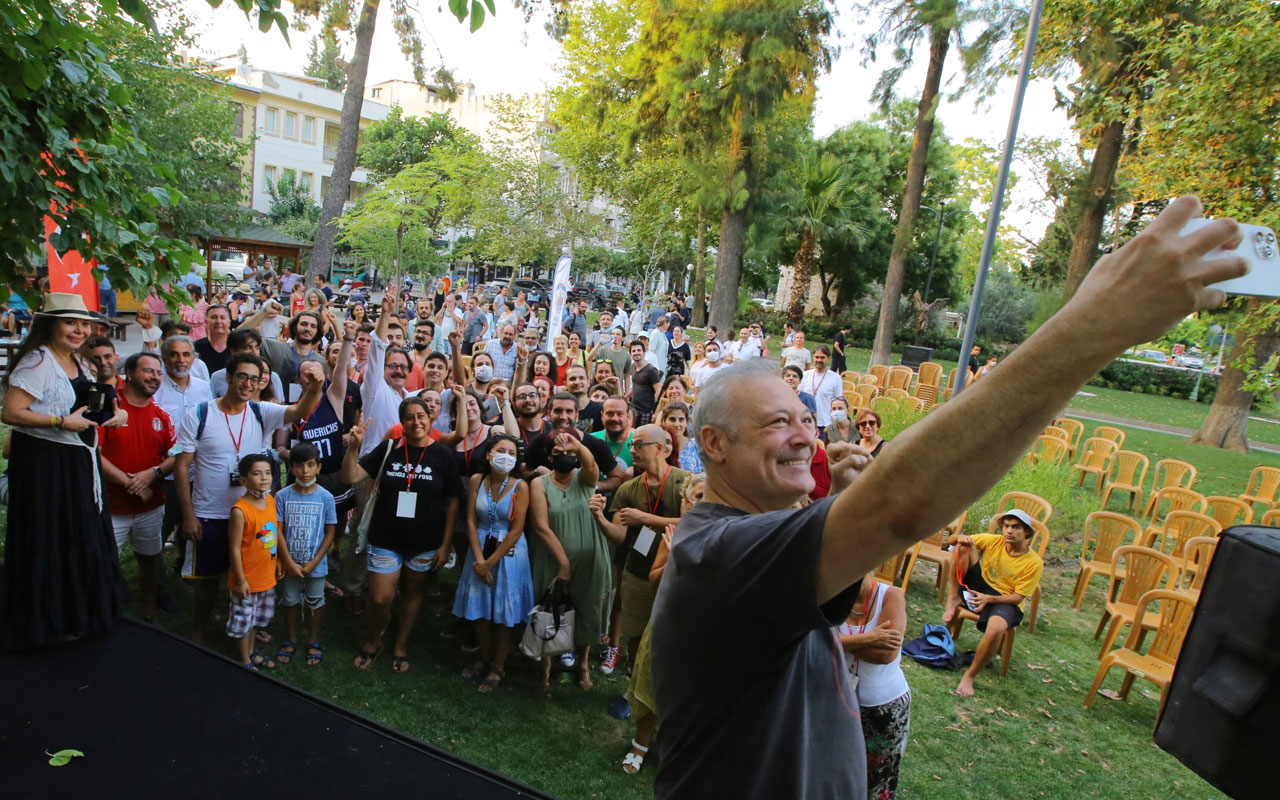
[[69, 141], [62, 757], [1054, 483], [325, 60], [1154, 379], [290, 199], [389, 145], [1008, 306]]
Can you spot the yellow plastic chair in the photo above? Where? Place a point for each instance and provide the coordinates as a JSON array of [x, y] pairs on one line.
[[1171, 619], [1179, 527], [1196, 558], [930, 374], [1271, 519], [897, 394], [1228, 511], [1041, 510], [1128, 473], [1040, 544], [927, 395], [1095, 459], [1057, 433], [930, 550], [879, 371], [1048, 450], [1263, 483], [1006, 646], [1135, 571], [1170, 473], [889, 571], [1173, 499], [1107, 432], [884, 406], [1074, 429], [1104, 531], [899, 377], [850, 376], [865, 393]]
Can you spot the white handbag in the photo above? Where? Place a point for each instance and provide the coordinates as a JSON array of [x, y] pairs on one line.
[[550, 625]]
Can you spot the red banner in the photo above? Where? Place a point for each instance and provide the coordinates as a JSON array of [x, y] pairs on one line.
[[69, 272]]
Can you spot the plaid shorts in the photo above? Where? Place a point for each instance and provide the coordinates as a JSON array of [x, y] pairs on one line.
[[254, 611]]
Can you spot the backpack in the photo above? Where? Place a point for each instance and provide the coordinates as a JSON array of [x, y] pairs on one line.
[[202, 416], [934, 648]]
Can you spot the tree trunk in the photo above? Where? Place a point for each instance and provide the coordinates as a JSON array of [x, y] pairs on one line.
[[348, 138], [826, 292], [800, 284], [733, 237], [700, 274], [1227, 424], [1094, 204], [939, 41]]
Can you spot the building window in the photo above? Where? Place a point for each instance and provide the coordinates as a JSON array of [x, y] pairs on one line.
[[306, 182], [268, 176], [239, 120], [377, 91], [309, 129], [290, 125], [291, 174], [271, 121]]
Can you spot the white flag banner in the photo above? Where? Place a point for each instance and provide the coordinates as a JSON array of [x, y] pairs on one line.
[[559, 293]]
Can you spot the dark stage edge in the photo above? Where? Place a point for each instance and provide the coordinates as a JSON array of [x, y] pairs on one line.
[[159, 717]]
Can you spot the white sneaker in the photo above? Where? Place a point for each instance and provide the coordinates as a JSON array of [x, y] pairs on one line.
[[567, 660], [452, 562]]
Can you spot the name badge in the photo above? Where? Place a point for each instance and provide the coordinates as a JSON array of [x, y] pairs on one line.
[[293, 391], [407, 505], [644, 540]]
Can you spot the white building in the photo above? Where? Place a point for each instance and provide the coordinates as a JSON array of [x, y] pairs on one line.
[[296, 121]]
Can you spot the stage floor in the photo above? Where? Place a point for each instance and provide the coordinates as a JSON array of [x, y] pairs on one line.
[[159, 717]]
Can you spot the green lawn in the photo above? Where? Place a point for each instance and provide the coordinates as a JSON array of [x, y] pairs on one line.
[[1026, 735], [1165, 410]]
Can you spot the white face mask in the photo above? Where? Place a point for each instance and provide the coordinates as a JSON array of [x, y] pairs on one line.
[[305, 484], [839, 415], [502, 463], [713, 356], [484, 373]]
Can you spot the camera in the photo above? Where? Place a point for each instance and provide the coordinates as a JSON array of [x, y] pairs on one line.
[[1258, 247]]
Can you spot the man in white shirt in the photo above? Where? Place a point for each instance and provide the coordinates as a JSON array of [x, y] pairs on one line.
[[714, 364], [212, 439], [179, 392], [797, 355], [823, 384]]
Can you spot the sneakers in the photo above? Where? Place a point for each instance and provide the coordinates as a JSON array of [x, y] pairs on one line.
[[567, 660], [609, 660]]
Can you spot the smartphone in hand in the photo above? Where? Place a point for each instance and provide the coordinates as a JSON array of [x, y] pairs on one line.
[[1258, 246]]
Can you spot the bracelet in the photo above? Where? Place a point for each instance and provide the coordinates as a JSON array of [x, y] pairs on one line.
[[55, 421], [159, 472], [348, 341]]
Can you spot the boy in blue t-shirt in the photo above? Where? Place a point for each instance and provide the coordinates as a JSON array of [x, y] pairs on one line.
[[307, 516]]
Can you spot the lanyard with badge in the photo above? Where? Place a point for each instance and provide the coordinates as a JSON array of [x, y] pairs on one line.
[[234, 480], [407, 502], [646, 537]]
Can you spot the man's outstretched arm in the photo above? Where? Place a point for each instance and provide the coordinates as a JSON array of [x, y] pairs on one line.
[[945, 462]]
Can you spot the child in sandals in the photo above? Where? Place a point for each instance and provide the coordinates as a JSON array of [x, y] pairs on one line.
[[308, 517]]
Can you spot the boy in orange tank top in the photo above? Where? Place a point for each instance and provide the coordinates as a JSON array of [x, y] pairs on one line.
[[252, 533]]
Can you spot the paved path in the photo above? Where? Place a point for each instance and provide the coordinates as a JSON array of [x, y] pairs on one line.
[[1155, 427]]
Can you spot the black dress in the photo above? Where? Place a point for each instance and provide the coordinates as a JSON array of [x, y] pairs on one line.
[[62, 573]]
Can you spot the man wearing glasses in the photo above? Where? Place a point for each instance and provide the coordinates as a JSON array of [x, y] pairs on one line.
[[212, 439]]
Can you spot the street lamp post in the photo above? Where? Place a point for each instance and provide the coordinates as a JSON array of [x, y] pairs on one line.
[[1216, 331], [942, 218]]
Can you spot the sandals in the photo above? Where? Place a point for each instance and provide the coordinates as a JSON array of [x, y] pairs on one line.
[[258, 662], [399, 664], [366, 658], [476, 670], [634, 760], [490, 683], [314, 659], [262, 636], [286, 652]]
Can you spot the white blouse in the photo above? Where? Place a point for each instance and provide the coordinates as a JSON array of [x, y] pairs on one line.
[[39, 375]]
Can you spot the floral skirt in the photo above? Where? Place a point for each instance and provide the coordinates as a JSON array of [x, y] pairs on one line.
[[886, 729]]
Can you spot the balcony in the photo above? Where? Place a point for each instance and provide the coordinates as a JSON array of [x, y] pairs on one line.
[[330, 153]]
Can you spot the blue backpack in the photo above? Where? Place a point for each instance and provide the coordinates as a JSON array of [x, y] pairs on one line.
[[934, 648], [202, 416]]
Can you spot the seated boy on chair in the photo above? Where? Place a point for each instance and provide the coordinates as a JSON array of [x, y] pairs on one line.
[[1000, 571]]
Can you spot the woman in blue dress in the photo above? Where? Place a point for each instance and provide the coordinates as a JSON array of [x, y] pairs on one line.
[[495, 590]]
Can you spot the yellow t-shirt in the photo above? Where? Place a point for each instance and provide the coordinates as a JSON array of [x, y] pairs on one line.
[[1008, 574]]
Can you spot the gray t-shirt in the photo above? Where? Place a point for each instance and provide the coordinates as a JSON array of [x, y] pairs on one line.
[[741, 589]]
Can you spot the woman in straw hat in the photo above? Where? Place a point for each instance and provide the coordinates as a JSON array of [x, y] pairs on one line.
[[62, 578]]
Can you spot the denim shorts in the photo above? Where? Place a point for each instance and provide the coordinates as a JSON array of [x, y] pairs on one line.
[[387, 562], [292, 591]]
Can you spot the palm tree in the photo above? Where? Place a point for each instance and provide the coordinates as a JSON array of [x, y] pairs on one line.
[[821, 206]]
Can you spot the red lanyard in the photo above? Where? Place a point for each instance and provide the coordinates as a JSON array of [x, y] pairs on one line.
[[467, 451], [409, 473], [818, 388], [619, 450], [234, 440], [655, 501]]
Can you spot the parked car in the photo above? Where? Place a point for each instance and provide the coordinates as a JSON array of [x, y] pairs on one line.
[[535, 291], [763, 302], [1189, 361], [1153, 355], [492, 288]]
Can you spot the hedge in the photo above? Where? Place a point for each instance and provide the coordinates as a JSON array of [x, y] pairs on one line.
[[1133, 376]]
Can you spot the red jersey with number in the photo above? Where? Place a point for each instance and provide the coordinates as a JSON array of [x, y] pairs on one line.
[[137, 446]]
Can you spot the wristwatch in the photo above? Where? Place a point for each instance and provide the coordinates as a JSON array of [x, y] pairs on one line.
[[159, 473]]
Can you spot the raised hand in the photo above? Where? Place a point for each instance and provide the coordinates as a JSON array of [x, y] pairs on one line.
[[845, 461], [349, 329], [668, 535], [355, 436]]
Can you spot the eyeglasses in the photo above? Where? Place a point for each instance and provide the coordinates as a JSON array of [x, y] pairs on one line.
[[528, 396], [244, 377], [638, 445]]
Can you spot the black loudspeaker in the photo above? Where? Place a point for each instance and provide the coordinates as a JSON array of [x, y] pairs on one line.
[[1222, 717]]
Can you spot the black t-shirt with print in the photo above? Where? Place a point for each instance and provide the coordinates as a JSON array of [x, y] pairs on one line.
[[434, 482], [600, 451], [644, 389]]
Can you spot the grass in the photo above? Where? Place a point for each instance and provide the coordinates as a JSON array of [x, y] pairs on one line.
[[1164, 410], [1026, 735]]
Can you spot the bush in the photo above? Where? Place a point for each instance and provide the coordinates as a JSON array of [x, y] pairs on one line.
[[1132, 376]]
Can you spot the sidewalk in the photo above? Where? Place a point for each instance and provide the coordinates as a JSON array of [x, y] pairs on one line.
[[1155, 427]]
